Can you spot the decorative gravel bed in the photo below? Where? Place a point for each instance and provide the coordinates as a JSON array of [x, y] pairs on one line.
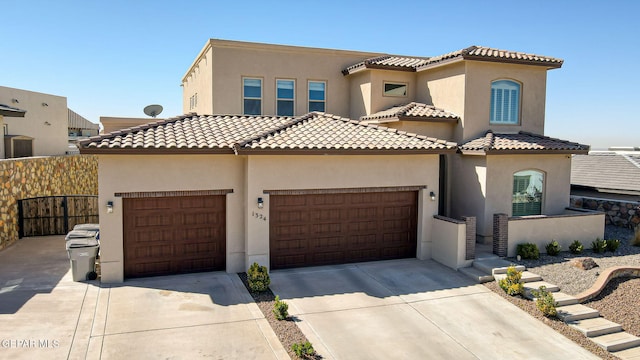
[[618, 302], [287, 331]]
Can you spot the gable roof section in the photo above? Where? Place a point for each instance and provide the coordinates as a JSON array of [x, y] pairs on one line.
[[413, 111], [229, 134], [520, 143], [606, 171], [10, 111], [478, 53], [76, 121]]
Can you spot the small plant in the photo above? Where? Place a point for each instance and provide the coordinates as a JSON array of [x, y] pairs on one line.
[[258, 278], [545, 302], [303, 350], [280, 309], [512, 284], [528, 251], [636, 234], [612, 245], [553, 248], [599, 246], [576, 247]]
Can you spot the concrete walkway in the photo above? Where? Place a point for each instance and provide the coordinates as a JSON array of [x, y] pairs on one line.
[[412, 309], [45, 315]]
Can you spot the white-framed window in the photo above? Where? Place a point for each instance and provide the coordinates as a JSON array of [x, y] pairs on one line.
[[285, 97], [317, 96], [528, 193], [505, 102], [251, 96], [396, 89]]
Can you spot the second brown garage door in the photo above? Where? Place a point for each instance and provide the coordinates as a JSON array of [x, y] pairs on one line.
[[173, 235], [323, 229]]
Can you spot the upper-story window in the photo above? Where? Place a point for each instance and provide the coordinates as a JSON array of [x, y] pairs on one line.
[[251, 96], [395, 89], [317, 95], [505, 102], [285, 93]]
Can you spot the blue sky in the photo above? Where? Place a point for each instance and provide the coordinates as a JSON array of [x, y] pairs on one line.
[[111, 58]]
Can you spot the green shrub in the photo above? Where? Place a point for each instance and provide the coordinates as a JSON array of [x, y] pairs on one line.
[[280, 309], [528, 251], [553, 248], [612, 245], [599, 246], [512, 284], [545, 302], [576, 247], [258, 278], [303, 350]]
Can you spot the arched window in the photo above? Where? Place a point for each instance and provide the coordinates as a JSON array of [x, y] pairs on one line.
[[505, 102], [528, 191]]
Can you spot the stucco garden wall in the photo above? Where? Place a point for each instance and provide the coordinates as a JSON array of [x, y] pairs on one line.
[[619, 213], [41, 176]]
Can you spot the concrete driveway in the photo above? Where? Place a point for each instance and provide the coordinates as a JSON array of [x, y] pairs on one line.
[[412, 309], [44, 314]]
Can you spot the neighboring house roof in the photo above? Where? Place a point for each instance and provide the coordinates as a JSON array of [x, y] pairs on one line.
[[228, 134], [76, 121], [10, 111], [479, 53], [520, 143], [413, 111], [607, 171]]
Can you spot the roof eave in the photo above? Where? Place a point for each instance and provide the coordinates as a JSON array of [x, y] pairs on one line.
[[428, 119], [439, 63], [155, 151], [547, 64], [344, 151]]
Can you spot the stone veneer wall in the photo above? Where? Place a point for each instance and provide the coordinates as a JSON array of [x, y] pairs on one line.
[[24, 178], [617, 212]]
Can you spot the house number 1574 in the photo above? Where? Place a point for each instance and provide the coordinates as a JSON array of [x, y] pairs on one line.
[[258, 216]]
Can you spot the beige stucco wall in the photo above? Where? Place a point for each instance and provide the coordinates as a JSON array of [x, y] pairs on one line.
[[110, 123], [326, 172], [231, 60], [46, 124], [479, 75], [564, 229], [438, 130], [449, 243], [199, 81], [380, 102], [468, 188], [118, 173], [360, 94]]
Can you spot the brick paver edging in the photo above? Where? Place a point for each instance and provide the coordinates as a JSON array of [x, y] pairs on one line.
[[604, 278]]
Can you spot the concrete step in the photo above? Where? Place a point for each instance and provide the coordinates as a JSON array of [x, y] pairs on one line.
[[563, 299], [616, 341], [477, 275], [595, 326], [576, 312], [494, 266], [535, 285], [628, 354], [527, 277]]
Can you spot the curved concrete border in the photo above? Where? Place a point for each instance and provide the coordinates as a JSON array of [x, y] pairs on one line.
[[604, 278]]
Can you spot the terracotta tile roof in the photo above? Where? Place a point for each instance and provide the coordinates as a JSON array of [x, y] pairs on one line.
[[247, 134], [606, 171], [10, 111], [327, 133], [521, 143], [479, 53], [411, 111]]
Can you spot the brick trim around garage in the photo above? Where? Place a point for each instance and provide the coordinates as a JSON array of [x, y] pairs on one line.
[[345, 190], [151, 194]]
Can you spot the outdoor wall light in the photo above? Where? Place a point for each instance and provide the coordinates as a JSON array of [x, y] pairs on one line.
[[260, 203], [109, 207], [432, 195], [45, 104]]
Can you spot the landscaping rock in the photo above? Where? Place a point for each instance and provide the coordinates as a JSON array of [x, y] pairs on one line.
[[584, 263]]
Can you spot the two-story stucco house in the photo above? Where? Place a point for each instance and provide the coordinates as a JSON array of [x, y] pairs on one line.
[[302, 156]]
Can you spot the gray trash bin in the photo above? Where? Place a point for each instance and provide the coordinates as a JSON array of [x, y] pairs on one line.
[[82, 253]]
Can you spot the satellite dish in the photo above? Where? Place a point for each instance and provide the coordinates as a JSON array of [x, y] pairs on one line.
[[153, 110]]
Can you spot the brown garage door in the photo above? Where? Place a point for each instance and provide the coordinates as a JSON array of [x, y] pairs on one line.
[[173, 235], [322, 229]]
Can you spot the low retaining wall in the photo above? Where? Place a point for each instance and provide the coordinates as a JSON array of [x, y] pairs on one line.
[[576, 224], [604, 278], [618, 212], [24, 178], [454, 241]]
